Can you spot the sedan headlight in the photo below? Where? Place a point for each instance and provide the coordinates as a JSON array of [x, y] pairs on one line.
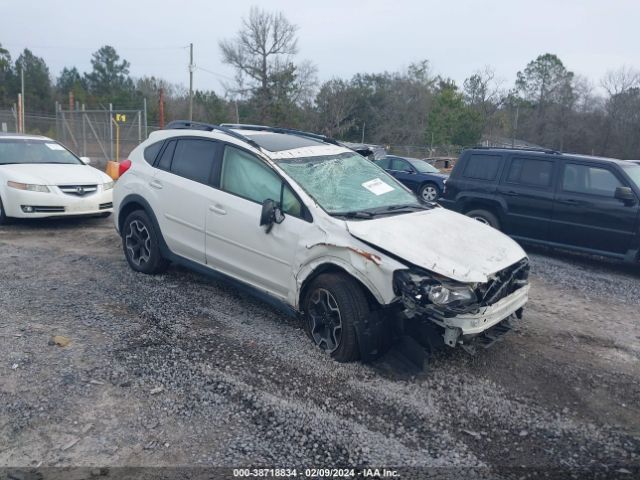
[[107, 186], [28, 186]]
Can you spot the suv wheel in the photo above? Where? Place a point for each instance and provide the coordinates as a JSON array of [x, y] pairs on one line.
[[486, 217], [333, 305], [140, 244], [429, 192]]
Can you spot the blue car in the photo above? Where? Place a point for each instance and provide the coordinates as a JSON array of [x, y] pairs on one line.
[[418, 175]]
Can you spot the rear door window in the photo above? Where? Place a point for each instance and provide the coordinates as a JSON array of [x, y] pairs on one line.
[[482, 167], [194, 159], [164, 162], [400, 165], [530, 171], [589, 180]]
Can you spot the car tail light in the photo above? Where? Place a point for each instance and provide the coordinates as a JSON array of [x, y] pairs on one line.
[[124, 166]]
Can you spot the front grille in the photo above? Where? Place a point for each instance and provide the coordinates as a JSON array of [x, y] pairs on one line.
[[504, 283], [104, 206], [78, 190], [47, 209]]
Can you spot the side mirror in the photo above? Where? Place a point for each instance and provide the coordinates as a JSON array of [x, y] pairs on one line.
[[626, 195], [85, 160], [271, 214]]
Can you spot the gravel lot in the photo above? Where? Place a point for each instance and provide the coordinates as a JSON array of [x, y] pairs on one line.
[[180, 370]]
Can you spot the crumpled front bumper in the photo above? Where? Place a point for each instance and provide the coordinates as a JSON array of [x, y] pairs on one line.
[[468, 325]]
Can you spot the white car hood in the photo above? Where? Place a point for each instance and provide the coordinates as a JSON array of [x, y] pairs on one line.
[[53, 174], [442, 242]]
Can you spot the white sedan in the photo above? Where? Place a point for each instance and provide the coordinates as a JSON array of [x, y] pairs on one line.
[[41, 178]]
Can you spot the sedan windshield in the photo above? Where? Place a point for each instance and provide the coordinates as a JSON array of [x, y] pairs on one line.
[[348, 183], [634, 172], [35, 151], [424, 167]]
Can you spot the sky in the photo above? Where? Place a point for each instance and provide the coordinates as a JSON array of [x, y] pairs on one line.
[[341, 37]]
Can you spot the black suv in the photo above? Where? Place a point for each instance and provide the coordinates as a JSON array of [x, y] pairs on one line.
[[579, 202]]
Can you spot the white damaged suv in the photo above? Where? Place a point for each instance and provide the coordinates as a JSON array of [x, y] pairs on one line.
[[307, 223]]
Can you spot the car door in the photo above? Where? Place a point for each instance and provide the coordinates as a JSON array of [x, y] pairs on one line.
[[404, 172], [586, 214], [527, 187], [184, 172], [236, 244]]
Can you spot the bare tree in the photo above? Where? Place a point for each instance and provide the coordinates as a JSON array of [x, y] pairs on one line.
[[262, 54], [621, 80]]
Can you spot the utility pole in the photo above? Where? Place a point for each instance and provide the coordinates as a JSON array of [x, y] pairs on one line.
[[363, 125], [161, 108], [22, 97], [191, 82]]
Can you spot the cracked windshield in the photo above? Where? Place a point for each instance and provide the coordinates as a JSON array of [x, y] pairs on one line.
[[347, 182]]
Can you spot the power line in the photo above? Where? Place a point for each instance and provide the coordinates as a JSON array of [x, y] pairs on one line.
[[76, 47]]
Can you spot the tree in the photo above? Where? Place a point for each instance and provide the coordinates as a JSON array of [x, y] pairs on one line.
[[37, 82], [451, 122], [547, 87], [262, 54], [6, 74], [109, 80], [483, 94], [70, 80]]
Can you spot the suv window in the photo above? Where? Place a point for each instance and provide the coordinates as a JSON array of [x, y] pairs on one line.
[[165, 159], [400, 165], [382, 163], [529, 171], [246, 176], [482, 167], [590, 180], [151, 152], [194, 159]]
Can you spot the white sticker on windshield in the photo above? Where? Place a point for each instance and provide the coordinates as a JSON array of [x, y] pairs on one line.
[[54, 146], [378, 187]]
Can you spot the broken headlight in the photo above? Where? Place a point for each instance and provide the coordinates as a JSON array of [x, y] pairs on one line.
[[423, 291]]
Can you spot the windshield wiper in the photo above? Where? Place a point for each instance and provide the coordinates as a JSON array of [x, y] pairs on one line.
[[356, 214]]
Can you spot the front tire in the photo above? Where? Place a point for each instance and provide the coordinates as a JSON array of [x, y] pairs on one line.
[[141, 246], [334, 305], [429, 192], [3, 216], [486, 217]]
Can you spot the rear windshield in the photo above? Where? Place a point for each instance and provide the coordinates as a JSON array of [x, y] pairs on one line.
[[35, 151]]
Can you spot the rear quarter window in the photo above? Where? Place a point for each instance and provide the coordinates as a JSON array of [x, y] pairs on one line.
[[482, 166], [151, 152]]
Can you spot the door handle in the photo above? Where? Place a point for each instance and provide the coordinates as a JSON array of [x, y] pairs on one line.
[[512, 193], [155, 184], [571, 201], [217, 209]]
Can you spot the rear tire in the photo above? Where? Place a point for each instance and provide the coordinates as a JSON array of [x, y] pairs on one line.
[[486, 217], [140, 243], [334, 305]]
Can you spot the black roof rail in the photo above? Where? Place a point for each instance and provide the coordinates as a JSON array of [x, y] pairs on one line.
[[287, 131], [524, 149], [209, 127]]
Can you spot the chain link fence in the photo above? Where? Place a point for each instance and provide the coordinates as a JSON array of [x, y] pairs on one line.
[[101, 135]]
